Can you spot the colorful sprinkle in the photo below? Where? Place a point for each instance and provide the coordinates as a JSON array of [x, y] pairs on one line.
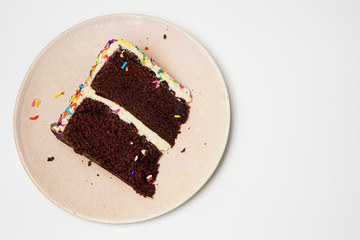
[[146, 48], [33, 118], [149, 178], [126, 69], [156, 81], [106, 56], [132, 172], [33, 102], [157, 86], [37, 103], [136, 158], [177, 116], [58, 94], [117, 110], [123, 66]]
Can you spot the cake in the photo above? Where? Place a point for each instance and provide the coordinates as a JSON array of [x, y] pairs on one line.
[[125, 114]]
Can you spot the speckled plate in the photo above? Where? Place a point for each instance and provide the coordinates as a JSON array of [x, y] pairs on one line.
[[90, 191]]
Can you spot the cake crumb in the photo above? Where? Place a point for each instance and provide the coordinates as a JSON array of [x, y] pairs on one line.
[[89, 163], [97, 175], [164, 37], [182, 151], [82, 160], [188, 128], [50, 159], [91, 183], [205, 144]]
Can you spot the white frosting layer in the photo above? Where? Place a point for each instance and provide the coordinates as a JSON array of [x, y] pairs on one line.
[[126, 116]]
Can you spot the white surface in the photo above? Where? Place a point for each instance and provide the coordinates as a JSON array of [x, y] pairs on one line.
[[291, 170]]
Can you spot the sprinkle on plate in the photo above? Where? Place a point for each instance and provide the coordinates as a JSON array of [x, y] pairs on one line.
[[58, 94], [34, 118]]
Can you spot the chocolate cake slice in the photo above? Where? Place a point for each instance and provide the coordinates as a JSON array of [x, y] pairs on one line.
[[124, 115], [140, 93]]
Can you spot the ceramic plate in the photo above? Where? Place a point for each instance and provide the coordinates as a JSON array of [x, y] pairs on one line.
[[90, 191]]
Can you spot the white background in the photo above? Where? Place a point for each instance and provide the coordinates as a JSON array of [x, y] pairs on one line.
[[291, 169]]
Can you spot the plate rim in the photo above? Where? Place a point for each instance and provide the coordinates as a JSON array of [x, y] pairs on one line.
[[180, 203]]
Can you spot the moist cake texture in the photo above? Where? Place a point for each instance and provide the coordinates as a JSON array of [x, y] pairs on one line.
[[109, 140], [138, 93], [126, 113]]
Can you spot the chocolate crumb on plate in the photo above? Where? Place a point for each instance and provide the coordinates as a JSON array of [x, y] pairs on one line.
[[50, 159], [89, 163], [183, 150], [164, 36]]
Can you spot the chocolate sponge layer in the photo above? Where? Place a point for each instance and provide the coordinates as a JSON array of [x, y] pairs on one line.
[[135, 91], [99, 134]]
